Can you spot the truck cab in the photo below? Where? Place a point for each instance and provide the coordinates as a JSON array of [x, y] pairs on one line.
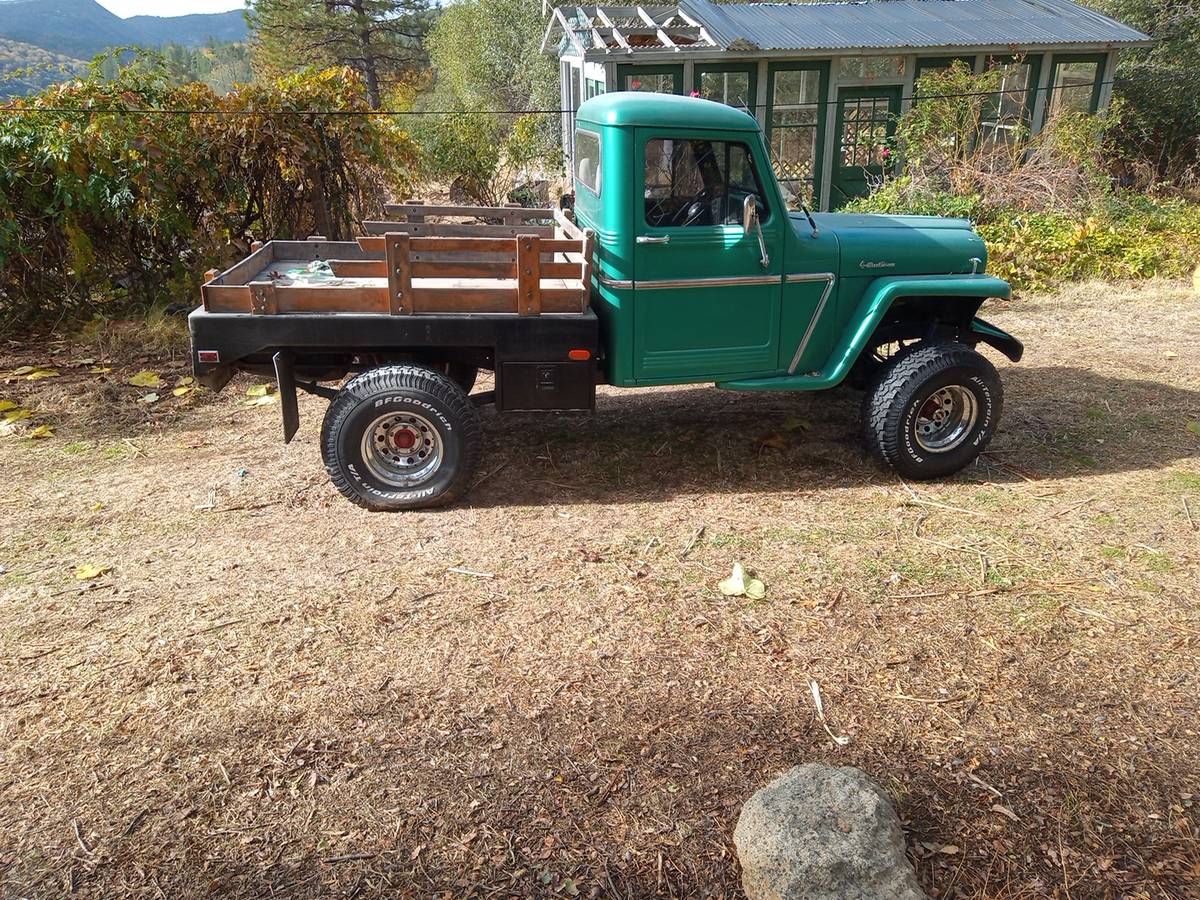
[[705, 272]]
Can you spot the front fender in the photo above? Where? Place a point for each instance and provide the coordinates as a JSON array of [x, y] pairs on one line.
[[877, 299]]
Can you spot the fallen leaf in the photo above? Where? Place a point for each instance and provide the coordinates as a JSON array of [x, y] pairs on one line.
[[149, 398], [182, 390], [791, 423], [42, 431], [261, 401], [88, 571], [7, 405], [186, 380], [1171, 354], [14, 415], [39, 373], [735, 584], [100, 370], [23, 370], [1004, 811], [146, 378], [1194, 428], [258, 390], [755, 589], [89, 361]]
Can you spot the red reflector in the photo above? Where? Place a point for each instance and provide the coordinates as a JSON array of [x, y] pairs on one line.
[[579, 354], [208, 356]]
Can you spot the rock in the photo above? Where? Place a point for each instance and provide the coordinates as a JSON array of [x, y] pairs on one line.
[[821, 833]]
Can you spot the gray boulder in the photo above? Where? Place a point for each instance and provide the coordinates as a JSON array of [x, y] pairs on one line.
[[820, 833]]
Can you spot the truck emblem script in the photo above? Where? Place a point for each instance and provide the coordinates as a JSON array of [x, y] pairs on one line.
[[875, 264]]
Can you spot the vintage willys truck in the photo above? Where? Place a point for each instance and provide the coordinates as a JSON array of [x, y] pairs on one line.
[[680, 263]]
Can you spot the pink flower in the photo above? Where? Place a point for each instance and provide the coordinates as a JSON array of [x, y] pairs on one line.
[[635, 85], [886, 152], [695, 94]]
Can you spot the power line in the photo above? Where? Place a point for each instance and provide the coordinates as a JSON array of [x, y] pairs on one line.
[[283, 113]]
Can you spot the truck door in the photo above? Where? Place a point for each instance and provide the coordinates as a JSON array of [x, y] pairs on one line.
[[705, 306]]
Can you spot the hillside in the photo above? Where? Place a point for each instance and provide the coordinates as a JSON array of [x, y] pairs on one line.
[[83, 28], [25, 68]]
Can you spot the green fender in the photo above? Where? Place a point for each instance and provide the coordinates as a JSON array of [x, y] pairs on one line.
[[876, 301]]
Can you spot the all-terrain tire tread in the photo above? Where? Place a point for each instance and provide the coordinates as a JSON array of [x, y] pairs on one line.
[[881, 411], [440, 387]]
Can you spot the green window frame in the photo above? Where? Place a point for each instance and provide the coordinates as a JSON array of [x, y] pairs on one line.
[[702, 69], [775, 125], [626, 74], [992, 118], [1063, 59]]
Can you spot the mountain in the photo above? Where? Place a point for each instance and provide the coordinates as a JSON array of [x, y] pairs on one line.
[[25, 68], [83, 28]]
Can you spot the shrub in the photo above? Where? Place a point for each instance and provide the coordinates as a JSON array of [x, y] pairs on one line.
[[108, 204]]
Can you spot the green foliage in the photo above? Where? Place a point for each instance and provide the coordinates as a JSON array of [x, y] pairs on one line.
[[381, 39], [1046, 204], [489, 54], [1124, 236], [1159, 87], [111, 208]]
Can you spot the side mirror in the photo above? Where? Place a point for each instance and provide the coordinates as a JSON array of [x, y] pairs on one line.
[[750, 220], [750, 212]]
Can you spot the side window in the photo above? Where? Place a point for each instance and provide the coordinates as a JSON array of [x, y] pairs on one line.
[[587, 160], [694, 182]]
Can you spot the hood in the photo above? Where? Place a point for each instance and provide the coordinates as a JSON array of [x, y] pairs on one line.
[[875, 246]]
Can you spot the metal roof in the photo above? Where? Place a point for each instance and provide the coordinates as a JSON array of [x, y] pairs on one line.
[[884, 24]]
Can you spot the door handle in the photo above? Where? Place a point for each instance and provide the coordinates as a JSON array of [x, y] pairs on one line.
[[653, 239]]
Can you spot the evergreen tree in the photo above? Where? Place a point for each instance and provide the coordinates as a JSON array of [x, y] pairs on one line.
[[379, 38]]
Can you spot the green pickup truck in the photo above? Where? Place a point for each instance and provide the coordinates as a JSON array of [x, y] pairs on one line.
[[678, 262]]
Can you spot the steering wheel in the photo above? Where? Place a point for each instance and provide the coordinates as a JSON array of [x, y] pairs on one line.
[[694, 210]]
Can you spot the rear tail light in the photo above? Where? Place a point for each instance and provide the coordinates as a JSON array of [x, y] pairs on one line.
[[579, 354], [208, 356]]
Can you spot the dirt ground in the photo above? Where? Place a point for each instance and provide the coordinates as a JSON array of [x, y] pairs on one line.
[[272, 692]]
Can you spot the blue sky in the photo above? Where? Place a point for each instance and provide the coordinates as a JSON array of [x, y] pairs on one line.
[[126, 8]]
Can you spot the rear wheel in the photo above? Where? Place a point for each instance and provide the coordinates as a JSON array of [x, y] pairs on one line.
[[933, 411], [401, 437]]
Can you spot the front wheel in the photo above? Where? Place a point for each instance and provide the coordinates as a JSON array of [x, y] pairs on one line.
[[933, 411], [401, 437]]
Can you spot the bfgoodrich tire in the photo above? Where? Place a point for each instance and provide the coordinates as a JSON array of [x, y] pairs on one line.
[[401, 437], [933, 411]]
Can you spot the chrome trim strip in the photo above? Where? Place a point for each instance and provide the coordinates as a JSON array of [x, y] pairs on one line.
[[617, 284], [810, 276], [717, 281], [812, 323]]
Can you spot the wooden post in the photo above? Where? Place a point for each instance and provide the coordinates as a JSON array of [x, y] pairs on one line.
[[589, 245], [529, 275], [399, 268], [255, 246], [210, 275], [262, 298]]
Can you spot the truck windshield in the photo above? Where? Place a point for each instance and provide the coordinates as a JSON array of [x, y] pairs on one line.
[[695, 182]]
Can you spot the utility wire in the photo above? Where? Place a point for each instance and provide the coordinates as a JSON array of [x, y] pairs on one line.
[[284, 113]]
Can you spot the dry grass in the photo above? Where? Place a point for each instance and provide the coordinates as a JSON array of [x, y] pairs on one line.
[[273, 692]]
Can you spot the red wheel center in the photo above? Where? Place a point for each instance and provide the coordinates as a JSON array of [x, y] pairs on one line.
[[404, 440]]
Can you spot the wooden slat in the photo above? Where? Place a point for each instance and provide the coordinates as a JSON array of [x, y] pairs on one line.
[[558, 245], [507, 213], [374, 244], [336, 299], [561, 269], [451, 229], [359, 268], [570, 229], [529, 275], [453, 268], [462, 299], [221, 298], [396, 251]]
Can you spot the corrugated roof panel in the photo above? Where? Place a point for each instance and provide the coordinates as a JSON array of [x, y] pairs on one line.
[[907, 23]]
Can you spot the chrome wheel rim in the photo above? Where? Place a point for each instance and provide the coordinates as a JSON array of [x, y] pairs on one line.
[[402, 449], [946, 418]]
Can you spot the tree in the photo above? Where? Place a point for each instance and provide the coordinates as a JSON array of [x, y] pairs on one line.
[[381, 39], [490, 53], [1160, 85]]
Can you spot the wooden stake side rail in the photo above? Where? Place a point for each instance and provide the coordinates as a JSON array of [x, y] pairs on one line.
[[407, 270]]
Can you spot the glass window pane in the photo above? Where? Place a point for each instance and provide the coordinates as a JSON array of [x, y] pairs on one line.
[[662, 83], [1074, 84], [871, 68], [698, 182], [795, 111], [1005, 113], [730, 88], [587, 160], [796, 87]]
